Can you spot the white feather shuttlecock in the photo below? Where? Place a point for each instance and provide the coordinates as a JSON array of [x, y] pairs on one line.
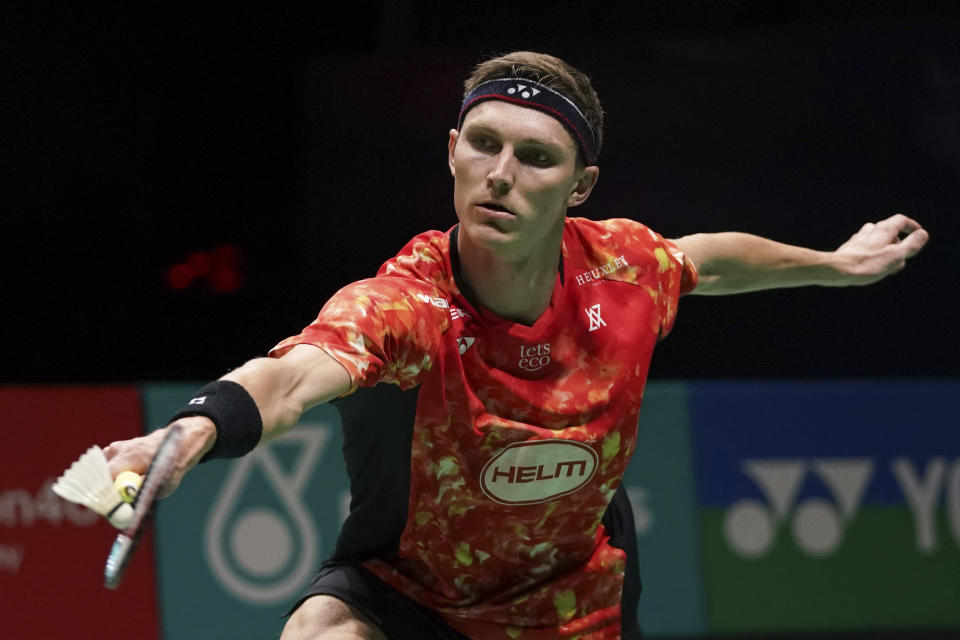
[[88, 482]]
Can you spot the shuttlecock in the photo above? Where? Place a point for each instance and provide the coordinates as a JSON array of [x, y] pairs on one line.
[[88, 482]]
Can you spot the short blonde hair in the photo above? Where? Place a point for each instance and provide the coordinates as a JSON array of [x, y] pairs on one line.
[[549, 71]]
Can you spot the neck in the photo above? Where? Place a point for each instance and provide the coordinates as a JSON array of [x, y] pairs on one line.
[[517, 288]]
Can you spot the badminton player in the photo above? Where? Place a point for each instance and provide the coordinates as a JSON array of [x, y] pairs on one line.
[[490, 378]]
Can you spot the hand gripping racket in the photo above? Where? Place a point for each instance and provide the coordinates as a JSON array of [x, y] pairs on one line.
[[159, 472]]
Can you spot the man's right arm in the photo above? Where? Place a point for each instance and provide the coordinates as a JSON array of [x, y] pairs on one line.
[[282, 388], [738, 262]]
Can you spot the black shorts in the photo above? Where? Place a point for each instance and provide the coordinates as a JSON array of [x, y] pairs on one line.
[[397, 616], [401, 618]]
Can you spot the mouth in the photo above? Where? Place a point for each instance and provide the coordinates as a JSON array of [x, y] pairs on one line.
[[496, 208]]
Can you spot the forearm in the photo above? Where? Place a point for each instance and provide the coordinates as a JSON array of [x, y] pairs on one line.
[[283, 391], [276, 391], [732, 262]]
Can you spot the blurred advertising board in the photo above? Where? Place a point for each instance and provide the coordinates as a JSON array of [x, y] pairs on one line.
[[52, 552]]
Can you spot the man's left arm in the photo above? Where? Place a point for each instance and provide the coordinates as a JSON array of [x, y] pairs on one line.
[[732, 262]]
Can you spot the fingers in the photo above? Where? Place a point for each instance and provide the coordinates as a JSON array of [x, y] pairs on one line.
[[899, 224], [907, 232], [898, 229], [915, 241], [136, 455], [132, 455], [884, 247]]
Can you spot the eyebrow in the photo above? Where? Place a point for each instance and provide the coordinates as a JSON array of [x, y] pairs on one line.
[[482, 128]]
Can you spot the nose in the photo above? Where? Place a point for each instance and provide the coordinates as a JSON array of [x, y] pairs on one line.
[[500, 177]]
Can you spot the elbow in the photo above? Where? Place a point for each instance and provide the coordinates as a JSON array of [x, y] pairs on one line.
[[710, 284]]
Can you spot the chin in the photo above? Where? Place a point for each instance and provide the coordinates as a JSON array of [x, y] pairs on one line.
[[489, 235]]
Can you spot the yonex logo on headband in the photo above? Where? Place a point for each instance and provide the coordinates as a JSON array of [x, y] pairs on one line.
[[524, 93], [534, 95]]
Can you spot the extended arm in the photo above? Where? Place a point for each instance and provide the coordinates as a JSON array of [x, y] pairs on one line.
[[733, 262], [282, 388]]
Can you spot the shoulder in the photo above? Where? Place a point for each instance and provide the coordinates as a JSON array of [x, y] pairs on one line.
[[599, 240], [415, 280], [625, 250], [408, 288], [424, 258]]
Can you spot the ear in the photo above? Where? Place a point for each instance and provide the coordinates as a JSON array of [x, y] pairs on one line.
[[584, 185], [451, 147]]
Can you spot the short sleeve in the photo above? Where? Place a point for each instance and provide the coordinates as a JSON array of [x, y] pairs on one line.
[[383, 329], [677, 277], [656, 264], [688, 275]]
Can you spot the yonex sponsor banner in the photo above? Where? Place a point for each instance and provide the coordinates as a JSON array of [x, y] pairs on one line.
[[660, 484], [241, 538], [829, 505], [52, 552]]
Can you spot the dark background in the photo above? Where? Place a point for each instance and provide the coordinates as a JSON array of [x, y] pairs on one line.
[[314, 144]]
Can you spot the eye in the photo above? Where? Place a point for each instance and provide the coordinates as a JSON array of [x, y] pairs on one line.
[[536, 158], [482, 142]]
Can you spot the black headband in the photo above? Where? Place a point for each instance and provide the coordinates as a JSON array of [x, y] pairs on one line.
[[528, 93]]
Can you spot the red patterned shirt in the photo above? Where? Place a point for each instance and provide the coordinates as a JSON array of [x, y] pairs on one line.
[[522, 433]]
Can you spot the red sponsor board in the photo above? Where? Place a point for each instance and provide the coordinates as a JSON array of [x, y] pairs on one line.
[[52, 552]]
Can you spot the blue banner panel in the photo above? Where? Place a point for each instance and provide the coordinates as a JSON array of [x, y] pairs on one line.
[[882, 421]]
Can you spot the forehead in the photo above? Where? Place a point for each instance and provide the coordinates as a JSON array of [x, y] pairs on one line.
[[519, 123]]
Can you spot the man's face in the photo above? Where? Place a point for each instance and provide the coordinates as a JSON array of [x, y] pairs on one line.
[[515, 173]]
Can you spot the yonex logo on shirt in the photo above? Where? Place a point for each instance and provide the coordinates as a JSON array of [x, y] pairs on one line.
[[198, 400], [465, 343]]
